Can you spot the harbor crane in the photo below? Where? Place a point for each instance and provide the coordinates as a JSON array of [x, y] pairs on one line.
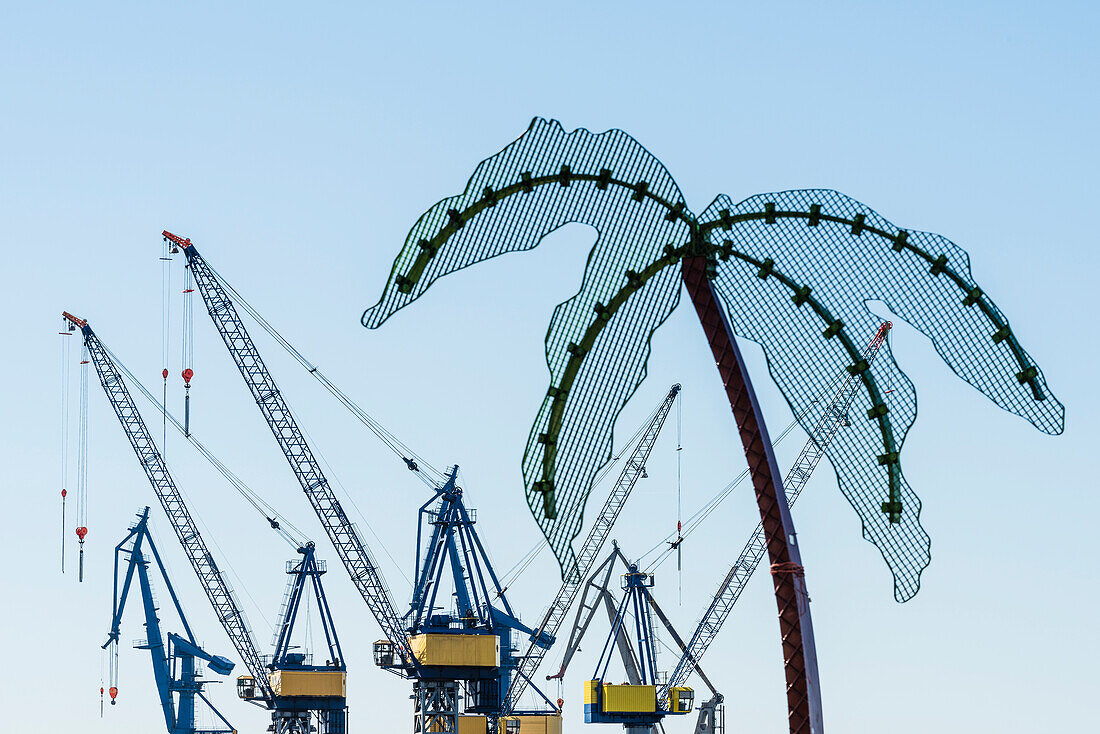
[[633, 470], [635, 704], [291, 688], [297, 683], [638, 706], [597, 595], [471, 647], [174, 664]]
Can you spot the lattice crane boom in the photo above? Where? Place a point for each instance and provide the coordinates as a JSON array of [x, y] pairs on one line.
[[213, 582], [756, 548], [597, 536], [350, 547]]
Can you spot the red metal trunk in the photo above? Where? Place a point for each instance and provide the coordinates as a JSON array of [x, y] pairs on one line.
[[799, 655]]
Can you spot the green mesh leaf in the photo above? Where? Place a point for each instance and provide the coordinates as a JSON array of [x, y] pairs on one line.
[[598, 341], [846, 255]]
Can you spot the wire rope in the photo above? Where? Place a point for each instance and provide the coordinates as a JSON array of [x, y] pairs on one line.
[[66, 354], [529, 557], [165, 345], [712, 504], [430, 475], [286, 529]]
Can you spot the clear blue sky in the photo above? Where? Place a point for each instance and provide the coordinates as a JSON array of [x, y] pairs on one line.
[[298, 144]]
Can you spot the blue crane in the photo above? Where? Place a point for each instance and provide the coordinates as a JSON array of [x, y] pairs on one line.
[[634, 705], [478, 633], [174, 664], [438, 652], [292, 695], [633, 470], [297, 682]]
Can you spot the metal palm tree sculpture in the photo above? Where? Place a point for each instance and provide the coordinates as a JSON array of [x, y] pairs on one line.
[[793, 271]]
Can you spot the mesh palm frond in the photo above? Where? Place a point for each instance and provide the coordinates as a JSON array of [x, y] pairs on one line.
[[794, 272], [598, 341]]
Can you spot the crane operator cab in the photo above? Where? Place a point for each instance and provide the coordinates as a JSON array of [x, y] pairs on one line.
[[681, 700], [383, 653], [633, 705], [246, 688], [528, 724]]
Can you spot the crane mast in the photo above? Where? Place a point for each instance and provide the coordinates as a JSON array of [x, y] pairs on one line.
[[181, 652], [756, 548], [206, 569], [353, 552], [597, 536]]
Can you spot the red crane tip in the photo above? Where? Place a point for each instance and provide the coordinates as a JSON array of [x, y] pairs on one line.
[[73, 319], [176, 239]]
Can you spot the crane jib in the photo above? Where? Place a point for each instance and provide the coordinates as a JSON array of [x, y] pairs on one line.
[[597, 536], [349, 546], [152, 462], [755, 549]]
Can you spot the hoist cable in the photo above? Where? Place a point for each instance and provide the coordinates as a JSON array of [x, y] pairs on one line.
[[82, 445], [66, 353], [165, 347], [529, 557], [187, 348], [82, 463], [712, 504], [281, 525], [410, 457], [187, 318], [679, 526]]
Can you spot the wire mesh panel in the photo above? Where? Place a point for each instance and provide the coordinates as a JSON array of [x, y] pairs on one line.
[[794, 272], [598, 341]]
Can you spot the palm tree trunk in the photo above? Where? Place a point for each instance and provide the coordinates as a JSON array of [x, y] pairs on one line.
[[796, 630]]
